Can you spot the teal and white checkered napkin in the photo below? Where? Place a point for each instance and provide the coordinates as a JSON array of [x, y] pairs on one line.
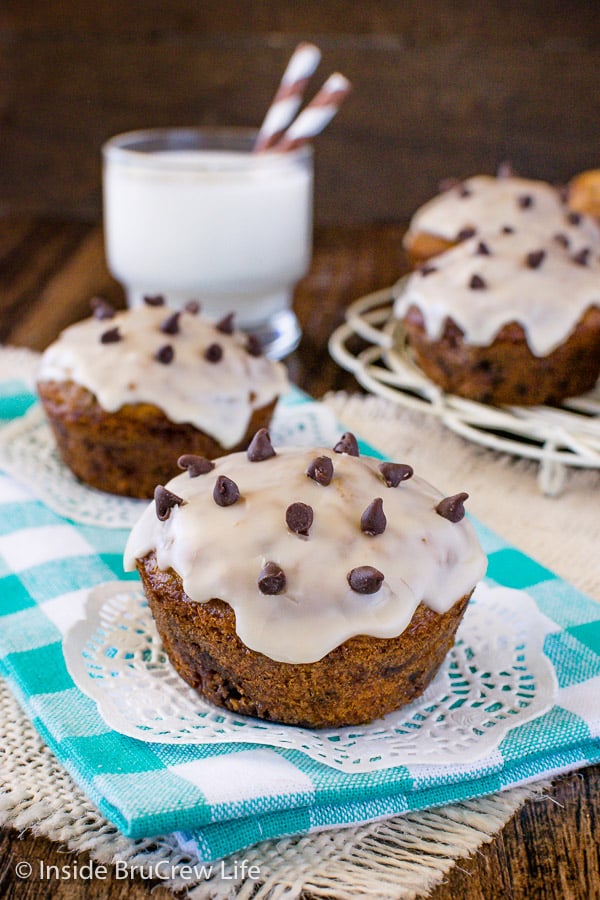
[[221, 798]]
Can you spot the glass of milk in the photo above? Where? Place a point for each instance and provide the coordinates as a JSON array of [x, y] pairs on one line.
[[193, 214]]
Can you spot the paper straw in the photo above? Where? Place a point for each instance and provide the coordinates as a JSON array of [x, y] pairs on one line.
[[287, 100], [317, 114]]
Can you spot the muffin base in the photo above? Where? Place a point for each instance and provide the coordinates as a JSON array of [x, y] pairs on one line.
[[359, 681], [506, 371], [420, 247], [129, 451]]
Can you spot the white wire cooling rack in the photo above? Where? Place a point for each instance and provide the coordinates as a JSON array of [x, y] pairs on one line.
[[557, 437]]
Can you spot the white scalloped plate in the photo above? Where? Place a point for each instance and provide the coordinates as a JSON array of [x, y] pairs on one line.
[[557, 437], [494, 679]]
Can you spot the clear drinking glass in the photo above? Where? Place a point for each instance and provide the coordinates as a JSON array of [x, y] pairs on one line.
[[193, 214]]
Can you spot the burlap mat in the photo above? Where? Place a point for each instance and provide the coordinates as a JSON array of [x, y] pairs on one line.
[[400, 858]]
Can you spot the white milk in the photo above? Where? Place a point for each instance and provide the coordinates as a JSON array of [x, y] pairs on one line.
[[229, 228]]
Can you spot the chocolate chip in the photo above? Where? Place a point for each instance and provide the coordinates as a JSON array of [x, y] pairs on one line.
[[507, 229], [582, 257], [213, 353], [226, 491], [299, 518], [347, 444], [394, 473], [466, 233], [111, 336], [165, 354], [260, 447], [535, 258], [164, 501], [562, 190], [452, 508], [525, 201], [171, 324], [483, 249], [193, 307], [427, 269], [321, 470], [562, 239], [272, 579], [365, 579], [225, 325], [156, 300], [373, 520], [253, 345], [195, 465], [505, 169], [477, 283], [574, 218], [464, 191], [447, 184], [101, 309]]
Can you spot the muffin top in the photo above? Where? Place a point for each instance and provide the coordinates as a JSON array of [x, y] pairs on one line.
[[584, 192], [485, 204], [310, 546], [198, 372], [540, 282]]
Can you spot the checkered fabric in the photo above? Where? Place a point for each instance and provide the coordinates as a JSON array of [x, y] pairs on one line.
[[223, 798]]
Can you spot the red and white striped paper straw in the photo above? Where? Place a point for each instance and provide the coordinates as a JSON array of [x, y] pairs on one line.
[[317, 114], [287, 100]]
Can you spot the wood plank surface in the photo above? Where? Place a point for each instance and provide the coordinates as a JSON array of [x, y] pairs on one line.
[[550, 849], [442, 88]]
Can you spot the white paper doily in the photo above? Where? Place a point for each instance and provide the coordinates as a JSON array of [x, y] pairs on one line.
[[19, 363], [28, 453], [565, 435], [495, 678]]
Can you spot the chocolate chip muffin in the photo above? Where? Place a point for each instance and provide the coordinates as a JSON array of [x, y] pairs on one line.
[[126, 393], [583, 193], [312, 586], [485, 205], [508, 318]]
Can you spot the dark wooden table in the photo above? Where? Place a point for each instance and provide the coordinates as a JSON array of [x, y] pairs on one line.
[[550, 849]]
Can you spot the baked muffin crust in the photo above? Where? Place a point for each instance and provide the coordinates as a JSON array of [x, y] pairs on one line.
[[283, 581]]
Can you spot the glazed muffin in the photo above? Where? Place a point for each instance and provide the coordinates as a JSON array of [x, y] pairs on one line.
[[313, 587], [483, 205], [512, 318], [584, 193], [126, 393]]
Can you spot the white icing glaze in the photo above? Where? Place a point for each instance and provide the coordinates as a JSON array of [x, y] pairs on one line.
[[547, 301], [492, 203], [219, 552], [218, 398]]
